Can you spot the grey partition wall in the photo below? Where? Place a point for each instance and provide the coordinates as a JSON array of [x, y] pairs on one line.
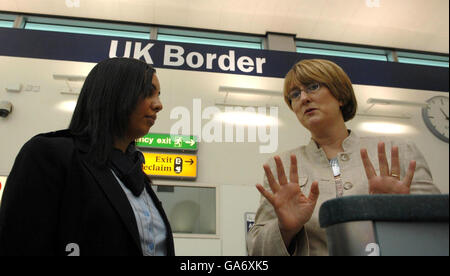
[[387, 225]]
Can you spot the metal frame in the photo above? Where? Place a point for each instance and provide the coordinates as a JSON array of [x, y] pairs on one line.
[[21, 18], [428, 123]]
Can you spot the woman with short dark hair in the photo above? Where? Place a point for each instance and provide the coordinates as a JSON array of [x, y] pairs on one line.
[[82, 191], [336, 162]]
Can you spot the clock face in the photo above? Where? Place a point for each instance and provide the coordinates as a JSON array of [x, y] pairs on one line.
[[435, 117]]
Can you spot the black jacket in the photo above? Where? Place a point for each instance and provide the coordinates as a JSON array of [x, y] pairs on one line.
[[56, 197]]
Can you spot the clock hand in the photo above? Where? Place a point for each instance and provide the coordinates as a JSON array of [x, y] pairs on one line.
[[446, 116]]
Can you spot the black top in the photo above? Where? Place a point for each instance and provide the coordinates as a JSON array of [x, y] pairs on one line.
[[56, 197], [406, 208]]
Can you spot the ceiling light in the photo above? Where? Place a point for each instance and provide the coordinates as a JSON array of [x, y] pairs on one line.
[[246, 119], [386, 128], [229, 89], [73, 83], [14, 87], [69, 77], [67, 106], [236, 96], [395, 102]]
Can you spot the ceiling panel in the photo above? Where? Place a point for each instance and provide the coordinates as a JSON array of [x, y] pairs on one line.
[[407, 24]]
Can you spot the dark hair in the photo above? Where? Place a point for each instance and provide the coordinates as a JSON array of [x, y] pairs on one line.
[[108, 97]]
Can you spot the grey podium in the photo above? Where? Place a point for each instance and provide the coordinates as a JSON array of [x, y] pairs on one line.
[[387, 225]]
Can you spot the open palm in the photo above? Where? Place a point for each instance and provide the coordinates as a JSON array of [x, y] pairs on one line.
[[388, 182], [292, 207]]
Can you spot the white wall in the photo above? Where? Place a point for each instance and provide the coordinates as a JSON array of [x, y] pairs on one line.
[[234, 168], [2, 185]]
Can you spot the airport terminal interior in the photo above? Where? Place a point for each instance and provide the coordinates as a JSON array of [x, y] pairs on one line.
[[221, 66]]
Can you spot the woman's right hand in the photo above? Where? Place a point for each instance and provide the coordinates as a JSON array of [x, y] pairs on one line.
[[292, 207]]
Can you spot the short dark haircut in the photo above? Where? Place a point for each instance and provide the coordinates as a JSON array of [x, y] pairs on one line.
[[108, 97]]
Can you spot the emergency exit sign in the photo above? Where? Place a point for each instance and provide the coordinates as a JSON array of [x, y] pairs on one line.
[[168, 141], [170, 165]]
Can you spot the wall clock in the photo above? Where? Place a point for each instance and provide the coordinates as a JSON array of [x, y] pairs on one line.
[[435, 116]]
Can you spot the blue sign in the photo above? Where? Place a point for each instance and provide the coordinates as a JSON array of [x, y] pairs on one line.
[[208, 58]]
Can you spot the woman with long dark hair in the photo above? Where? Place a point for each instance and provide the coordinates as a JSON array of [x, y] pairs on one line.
[[82, 191]]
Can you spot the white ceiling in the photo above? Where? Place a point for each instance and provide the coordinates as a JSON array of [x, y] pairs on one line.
[[407, 24]]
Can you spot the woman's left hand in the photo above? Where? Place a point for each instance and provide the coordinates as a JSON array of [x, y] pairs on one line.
[[388, 182]]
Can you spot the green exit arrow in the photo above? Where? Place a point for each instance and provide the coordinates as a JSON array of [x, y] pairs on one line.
[[168, 141]]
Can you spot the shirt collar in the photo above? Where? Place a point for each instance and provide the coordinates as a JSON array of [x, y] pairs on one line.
[[351, 139]]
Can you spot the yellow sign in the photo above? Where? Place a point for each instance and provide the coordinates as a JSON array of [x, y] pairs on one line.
[[170, 165]]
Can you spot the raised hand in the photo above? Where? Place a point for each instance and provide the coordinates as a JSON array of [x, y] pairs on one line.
[[292, 207], [388, 182]]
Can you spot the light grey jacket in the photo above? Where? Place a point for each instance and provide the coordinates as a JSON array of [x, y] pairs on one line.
[[264, 239]]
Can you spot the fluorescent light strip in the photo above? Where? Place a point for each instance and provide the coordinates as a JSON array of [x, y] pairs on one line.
[[246, 119], [395, 102], [386, 128], [229, 89]]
